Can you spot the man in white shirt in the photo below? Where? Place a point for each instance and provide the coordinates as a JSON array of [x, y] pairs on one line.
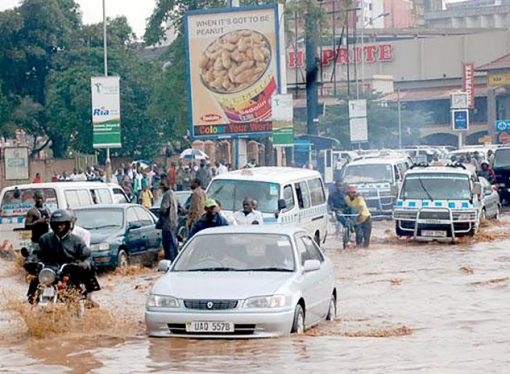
[[248, 215], [221, 168]]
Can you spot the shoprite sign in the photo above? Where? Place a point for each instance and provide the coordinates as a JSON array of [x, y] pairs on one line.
[[371, 54]]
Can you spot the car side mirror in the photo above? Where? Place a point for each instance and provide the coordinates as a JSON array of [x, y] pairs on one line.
[[477, 188], [311, 265], [282, 204], [164, 265], [134, 226]]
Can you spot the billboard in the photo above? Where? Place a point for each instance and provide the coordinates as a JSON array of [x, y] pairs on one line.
[[233, 57], [106, 112], [283, 114], [16, 163]]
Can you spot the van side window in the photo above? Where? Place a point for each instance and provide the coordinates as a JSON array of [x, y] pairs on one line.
[[103, 196], [316, 192], [77, 198], [303, 195], [288, 196]]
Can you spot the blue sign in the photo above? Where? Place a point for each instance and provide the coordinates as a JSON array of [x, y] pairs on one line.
[[503, 125], [460, 119]]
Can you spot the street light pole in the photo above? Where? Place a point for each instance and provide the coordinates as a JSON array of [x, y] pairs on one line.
[[105, 58], [399, 120], [363, 40]]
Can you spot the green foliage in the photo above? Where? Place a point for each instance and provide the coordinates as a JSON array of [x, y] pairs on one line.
[[382, 121]]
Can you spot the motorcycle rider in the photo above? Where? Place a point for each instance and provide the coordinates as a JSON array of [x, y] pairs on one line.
[[61, 246]]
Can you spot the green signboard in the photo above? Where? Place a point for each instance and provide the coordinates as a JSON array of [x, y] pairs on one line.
[[106, 112]]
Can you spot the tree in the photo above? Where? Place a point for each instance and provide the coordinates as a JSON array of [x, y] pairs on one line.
[[382, 119]]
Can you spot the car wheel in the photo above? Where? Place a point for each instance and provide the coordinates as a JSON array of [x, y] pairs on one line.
[[332, 308], [122, 259], [298, 326]]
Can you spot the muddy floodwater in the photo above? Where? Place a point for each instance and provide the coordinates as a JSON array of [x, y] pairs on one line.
[[402, 308]]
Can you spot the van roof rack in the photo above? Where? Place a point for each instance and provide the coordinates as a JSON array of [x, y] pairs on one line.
[[456, 165], [420, 165]]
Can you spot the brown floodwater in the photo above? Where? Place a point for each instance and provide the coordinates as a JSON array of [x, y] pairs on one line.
[[403, 307]]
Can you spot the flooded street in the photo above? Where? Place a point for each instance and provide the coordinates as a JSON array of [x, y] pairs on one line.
[[403, 307]]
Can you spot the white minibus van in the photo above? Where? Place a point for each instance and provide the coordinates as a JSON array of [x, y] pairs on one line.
[[16, 201], [283, 195]]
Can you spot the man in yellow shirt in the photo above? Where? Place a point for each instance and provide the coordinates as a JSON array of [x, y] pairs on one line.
[[364, 219], [146, 197]]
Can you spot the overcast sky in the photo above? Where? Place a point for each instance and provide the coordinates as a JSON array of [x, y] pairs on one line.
[[136, 11]]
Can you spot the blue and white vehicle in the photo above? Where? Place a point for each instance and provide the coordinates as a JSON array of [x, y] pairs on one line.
[[379, 180], [438, 203], [284, 195]]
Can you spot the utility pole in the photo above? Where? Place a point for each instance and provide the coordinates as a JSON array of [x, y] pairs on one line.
[[312, 99], [105, 61]]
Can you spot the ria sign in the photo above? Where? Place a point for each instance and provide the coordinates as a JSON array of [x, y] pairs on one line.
[[369, 54]]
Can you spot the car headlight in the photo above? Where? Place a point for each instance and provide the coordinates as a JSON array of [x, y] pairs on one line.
[[100, 247], [159, 301], [47, 276], [274, 301]]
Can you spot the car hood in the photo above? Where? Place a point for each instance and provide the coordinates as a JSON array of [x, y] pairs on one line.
[[220, 285], [97, 237]]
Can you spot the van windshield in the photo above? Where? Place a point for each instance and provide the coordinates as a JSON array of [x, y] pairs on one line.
[[17, 202], [502, 158], [441, 186], [231, 193], [368, 173]]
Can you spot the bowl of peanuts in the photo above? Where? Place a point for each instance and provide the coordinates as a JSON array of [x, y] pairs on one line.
[[236, 69]]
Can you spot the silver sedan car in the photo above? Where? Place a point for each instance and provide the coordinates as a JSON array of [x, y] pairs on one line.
[[243, 281]]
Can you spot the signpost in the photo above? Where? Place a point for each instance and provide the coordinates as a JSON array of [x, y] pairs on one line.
[[502, 128], [282, 120], [459, 106], [358, 121], [16, 163]]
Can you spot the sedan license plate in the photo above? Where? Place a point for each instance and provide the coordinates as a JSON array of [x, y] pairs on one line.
[[48, 292], [433, 233], [209, 326]]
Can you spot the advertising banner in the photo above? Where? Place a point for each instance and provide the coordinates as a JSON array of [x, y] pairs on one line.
[[233, 58], [16, 163], [468, 83], [283, 113], [106, 112]]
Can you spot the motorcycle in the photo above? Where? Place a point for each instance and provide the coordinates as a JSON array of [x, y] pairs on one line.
[[55, 284]]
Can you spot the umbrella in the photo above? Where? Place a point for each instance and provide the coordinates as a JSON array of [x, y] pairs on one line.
[[144, 164], [195, 154]]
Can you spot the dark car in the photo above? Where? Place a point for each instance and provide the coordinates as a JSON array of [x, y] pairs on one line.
[[183, 199], [120, 233], [502, 170]]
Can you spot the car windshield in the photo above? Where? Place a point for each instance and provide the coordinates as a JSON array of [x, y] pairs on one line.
[[502, 158], [368, 173], [18, 202], [442, 186], [240, 252], [231, 193], [103, 219]]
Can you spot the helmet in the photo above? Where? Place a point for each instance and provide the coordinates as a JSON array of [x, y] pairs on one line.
[[61, 216]]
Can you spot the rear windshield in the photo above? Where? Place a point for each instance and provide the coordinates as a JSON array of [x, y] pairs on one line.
[[502, 158], [18, 202]]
